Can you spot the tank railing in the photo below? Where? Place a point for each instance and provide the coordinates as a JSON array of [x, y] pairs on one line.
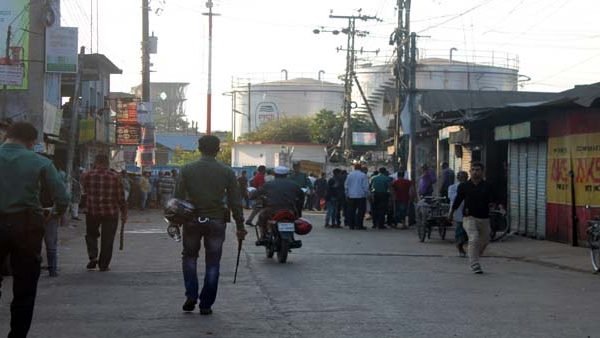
[[474, 57], [242, 79]]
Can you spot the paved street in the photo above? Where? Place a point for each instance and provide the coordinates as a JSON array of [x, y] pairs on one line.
[[342, 283]]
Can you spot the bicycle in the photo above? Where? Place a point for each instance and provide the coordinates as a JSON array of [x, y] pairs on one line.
[[500, 227], [593, 238]]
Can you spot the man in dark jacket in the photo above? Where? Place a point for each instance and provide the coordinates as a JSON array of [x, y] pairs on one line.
[[320, 190], [281, 193]]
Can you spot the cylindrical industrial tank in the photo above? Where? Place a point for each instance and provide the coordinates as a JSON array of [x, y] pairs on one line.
[[300, 97]]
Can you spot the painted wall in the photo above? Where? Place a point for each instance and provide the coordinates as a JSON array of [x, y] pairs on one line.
[[573, 143], [255, 154]]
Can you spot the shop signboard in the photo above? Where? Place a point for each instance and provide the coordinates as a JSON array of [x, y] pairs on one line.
[[61, 50], [128, 134]]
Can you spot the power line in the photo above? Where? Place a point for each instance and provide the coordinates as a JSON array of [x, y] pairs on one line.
[[456, 16]]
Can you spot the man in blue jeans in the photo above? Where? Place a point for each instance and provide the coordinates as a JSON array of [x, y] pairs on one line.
[[207, 184]]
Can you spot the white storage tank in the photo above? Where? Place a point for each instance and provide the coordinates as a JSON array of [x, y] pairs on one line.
[[300, 97], [435, 73]]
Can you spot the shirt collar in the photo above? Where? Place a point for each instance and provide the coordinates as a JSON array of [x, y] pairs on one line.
[[207, 158]]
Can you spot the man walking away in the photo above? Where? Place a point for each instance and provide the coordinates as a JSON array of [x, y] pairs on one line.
[[447, 178], [206, 183], [105, 198], [21, 217], [357, 190], [460, 235], [380, 187], [478, 196], [166, 187]]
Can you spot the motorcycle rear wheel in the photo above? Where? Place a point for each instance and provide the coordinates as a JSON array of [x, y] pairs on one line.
[[282, 253]]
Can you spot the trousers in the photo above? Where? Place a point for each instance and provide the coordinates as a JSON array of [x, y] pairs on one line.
[[108, 225], [21, 237], [478, 231], [213, 234]]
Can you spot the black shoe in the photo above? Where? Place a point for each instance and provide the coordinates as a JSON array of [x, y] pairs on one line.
[[92, 264], [249, 224], [189, 305], [262, 241], [205, 312]]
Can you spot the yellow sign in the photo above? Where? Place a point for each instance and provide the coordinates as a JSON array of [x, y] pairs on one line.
[[579, 155], [87, 130]]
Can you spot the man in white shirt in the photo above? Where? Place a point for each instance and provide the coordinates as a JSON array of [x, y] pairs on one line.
[[357, 190], [460, 235]]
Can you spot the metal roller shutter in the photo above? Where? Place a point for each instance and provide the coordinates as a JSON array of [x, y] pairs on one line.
[[541, 190], [531, 188], [522, 226], [513, 185]]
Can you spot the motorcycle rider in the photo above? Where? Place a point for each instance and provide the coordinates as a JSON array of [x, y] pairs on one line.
[[281, 193]]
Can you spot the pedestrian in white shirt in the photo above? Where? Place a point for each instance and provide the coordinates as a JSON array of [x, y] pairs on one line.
[[357, 191], [460, 235]]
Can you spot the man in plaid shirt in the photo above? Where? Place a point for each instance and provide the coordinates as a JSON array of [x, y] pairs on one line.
[[105, 199]]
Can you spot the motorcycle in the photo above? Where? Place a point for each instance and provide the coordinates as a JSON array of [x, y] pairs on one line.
[[279, 234]]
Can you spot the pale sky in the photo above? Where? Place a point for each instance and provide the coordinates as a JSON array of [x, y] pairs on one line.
[[557, 41]]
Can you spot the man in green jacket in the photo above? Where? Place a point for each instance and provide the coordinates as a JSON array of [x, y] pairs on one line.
[[212, 187], [22, 218]]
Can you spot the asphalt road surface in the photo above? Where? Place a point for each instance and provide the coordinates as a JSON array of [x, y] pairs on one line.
[[341, 283]]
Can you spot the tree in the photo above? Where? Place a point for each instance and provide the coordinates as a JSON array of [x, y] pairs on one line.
[[287, 129], [183, 157], [326, 127]]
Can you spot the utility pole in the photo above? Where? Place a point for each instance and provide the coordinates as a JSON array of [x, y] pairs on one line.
[[249, 109], [349, 76], [145, 53], [74, 121], [400, 37], [411, 108], [210, 14]]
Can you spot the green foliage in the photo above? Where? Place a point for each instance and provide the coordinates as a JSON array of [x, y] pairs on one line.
[[183, 157], [326, 127], [287, 129]]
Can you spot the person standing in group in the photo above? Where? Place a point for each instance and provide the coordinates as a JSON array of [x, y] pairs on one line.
[[357, 191], [206, 183], [478, 197], [145, 190], [342, 205], [380, 187], [243, 183], [331, 199], [426, 181], [460, 235], [105, 199], [22, 218], [166, 188], [257, 181], [126, 185], [447, 178], [269, 175], [320, 190], [404, 194]]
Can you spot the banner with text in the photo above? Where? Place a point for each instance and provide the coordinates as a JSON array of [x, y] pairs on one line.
[[580, 154]]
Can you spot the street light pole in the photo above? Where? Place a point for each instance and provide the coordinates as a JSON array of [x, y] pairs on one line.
[[210, 14]]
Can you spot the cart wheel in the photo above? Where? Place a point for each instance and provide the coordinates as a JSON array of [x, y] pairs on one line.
[[421, 231], [442, 231]]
